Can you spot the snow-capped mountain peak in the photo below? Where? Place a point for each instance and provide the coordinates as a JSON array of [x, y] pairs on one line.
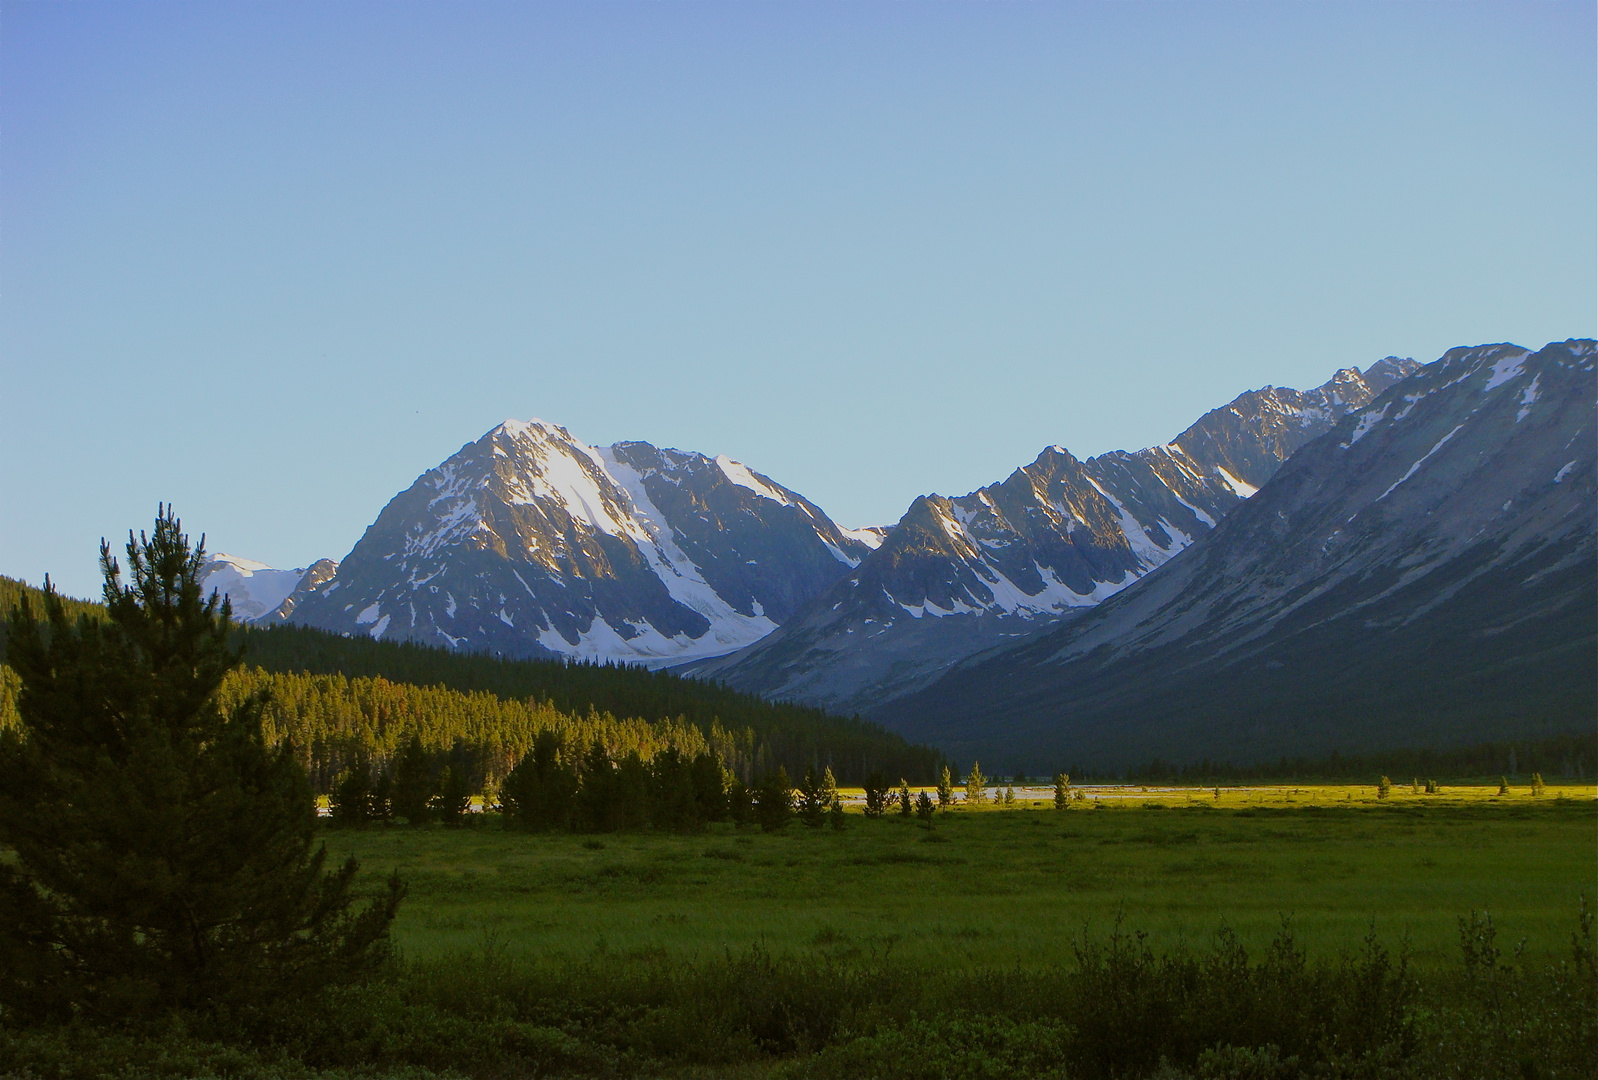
[[531, 542]]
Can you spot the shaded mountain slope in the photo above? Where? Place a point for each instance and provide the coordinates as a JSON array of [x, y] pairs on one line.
[[1422, 574], [959, 575]]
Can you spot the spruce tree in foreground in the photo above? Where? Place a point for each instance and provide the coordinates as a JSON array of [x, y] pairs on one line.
[[163, 853], [945, 789], [976, 786]]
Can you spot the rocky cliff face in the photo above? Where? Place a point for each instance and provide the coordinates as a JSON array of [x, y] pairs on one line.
[[1424, 571], [530, 543], [960, 575]]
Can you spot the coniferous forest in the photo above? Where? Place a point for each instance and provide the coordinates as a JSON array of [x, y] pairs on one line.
[[343, 701]]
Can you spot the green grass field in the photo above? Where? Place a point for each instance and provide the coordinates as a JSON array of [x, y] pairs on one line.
[[1012, 888]]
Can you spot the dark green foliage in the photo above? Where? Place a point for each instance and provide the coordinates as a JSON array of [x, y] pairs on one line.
[[636, 790], [332, 693], [710, 787], [924, 807], [163, 853], [1503, 785], [835, 815], [453, 796], [675, 806], [1384, 788], [539, 792], [945, 788], [598, 807], [876, 795], [740, 802], [813, 804], [414, 786], [1569, 756], [906, 804], [380, 805], [351, 802], [1119, 1012], [774, 801]]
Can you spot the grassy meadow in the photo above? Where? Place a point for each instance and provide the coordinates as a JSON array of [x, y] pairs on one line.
[[988, 886], [982, 948]]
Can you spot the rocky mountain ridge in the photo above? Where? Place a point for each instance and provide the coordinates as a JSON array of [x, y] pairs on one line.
[[1425, 570], [528, 542], [959, 575]]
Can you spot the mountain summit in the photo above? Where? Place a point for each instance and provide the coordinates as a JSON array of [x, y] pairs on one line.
[[960, 575], [1423, 574], [528, 542]]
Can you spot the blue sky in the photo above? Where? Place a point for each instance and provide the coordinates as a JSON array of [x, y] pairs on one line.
[[271, 261]]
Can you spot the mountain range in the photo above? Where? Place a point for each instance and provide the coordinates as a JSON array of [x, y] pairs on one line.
[[1424, 573], [1034, 599], [1055, 538]]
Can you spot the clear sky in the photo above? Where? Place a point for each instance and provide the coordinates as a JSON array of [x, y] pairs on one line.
[[271, 261]]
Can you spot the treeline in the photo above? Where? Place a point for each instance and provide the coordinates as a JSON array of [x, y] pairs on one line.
[[346, 699], [1569, 757], [794, 736]]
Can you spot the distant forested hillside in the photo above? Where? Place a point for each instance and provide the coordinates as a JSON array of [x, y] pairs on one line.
[[343, 698]]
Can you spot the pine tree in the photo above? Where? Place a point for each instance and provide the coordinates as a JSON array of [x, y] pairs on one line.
[[413, 783], [352, 796], [925, 808], [945, 789], [740, 802], [812, 810], [1384, 788], [453, 796], [975, 786], [1009, 797], [906, 805], [161, 851], [876, 794], [380, 803], [1062, 791], [774, 801], [829, 788], [672, 804], [1503, 785], [835, 816], [596, 809], [710, 789], [1537, 788], [537, 794]]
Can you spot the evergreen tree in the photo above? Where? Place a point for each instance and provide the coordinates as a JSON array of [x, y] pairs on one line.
[[161, 853], [945, 789], [906, 804], [380, 803], [812, 807], [876, 794], [1009, 797], [597, 808], [1062, 791], [976, 786], [740, 802], [924, 807], [835, 816], [1384, 788], [774, 801], [710, 789], [1503, 785], [453, 796], [1537, 784], [352, 796], [537, 794], [413, 783], [673, 806], [829, 788]]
